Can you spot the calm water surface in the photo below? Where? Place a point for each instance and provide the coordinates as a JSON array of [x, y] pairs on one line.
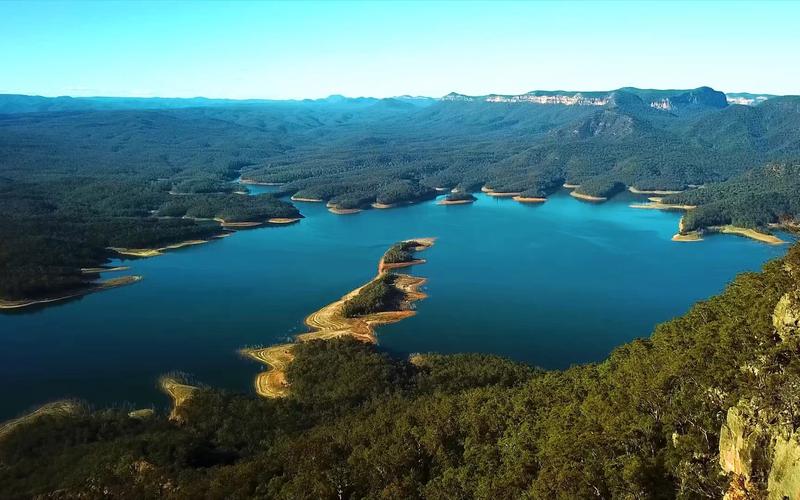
[[552, 285]]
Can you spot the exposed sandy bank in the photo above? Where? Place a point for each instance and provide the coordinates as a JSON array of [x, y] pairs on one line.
[[343, 211], [308, 200], [587, 197], [658, 192], [257, 183], [95, 270], [152, 252], [95, 287], [500, 194], [748, 233], [657, 205], [529, 199], [454, 202], [178, 391], [283, 220]]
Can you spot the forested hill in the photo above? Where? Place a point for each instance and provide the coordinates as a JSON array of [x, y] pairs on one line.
[[708, 405], [80, 175]]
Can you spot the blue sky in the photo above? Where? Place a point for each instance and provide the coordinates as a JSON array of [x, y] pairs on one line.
[[314, 49]]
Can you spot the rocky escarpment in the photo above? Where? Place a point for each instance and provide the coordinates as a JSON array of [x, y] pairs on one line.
[[700, 97], [537, 97], [673, 101], [759, 444]]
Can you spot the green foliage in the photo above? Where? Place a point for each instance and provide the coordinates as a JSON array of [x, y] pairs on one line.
[[762, 196], [400, 252], [334, 376], [228, 207], [379, 295], [602, 187]]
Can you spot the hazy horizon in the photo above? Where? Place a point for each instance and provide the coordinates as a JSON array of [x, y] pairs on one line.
[[310, 50], [410, 96]]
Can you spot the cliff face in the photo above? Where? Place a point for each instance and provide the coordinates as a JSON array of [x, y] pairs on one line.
[[762, 456], [670, 101], [701, 97], [759, 443]]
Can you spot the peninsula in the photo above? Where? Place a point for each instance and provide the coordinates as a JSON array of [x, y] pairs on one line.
[[387, 298]]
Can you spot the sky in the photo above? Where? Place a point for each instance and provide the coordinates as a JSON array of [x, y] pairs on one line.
[[308, 49]]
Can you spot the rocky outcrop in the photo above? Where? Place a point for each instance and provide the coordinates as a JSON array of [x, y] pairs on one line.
[[784, 477], [786, 317], [576, 99], [671, 101], [759, 443], [536, 97], [743, 453], [761, 455]]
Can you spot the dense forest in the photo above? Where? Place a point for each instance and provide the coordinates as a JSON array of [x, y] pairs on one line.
[[673, 416], [378, 295], [400, 252], [762, 196], [80, 175]]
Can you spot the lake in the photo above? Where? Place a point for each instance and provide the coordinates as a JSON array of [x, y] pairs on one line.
[[553, 284]]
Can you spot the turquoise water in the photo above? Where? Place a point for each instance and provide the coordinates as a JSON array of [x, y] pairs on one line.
[[552, 285]]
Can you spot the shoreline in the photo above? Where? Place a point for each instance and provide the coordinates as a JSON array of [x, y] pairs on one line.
[[283, 220], [657, 205], [343, 211], [455, 202], [138, 253], [96, 270], [500, 194], [329, 323], [235, 225], [770, 239], [697, 235], [252, 224], [257, 183], [384, 206], [588, 197], [657, 192], [529, 199], [94, 287], [152, 252], [307, 200], [178, 391]]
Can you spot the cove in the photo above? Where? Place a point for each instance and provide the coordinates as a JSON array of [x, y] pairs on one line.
[[551, 284]]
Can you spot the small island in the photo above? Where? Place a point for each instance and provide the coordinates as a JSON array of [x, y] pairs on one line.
[[457, 198]]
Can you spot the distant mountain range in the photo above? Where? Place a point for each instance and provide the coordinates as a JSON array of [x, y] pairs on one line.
[[666, 100]]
